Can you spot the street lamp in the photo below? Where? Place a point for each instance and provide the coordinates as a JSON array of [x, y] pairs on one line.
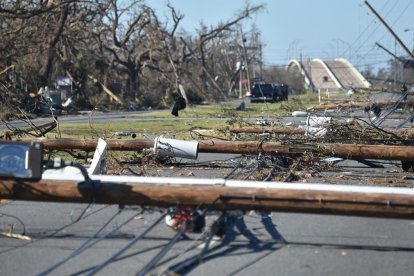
[[412, 31]]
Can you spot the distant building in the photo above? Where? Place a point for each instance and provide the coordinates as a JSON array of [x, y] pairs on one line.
[[64, 85], [329, 75]]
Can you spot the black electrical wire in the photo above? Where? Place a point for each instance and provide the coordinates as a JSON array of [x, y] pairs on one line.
[[162, 253], [191, 247], [87, 244], [391, 110], [57, 230], [238, 165], [16, 218], [88, 182], [251, 172], [128, 245], [82, 215], [214, 229], [270, 174]]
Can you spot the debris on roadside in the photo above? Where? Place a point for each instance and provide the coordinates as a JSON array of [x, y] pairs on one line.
[[125, 134]]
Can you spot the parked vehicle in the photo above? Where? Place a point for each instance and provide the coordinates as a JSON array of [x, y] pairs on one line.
[[268, 92]]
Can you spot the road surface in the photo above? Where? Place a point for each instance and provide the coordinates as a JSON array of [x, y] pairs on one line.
[[315, 244]]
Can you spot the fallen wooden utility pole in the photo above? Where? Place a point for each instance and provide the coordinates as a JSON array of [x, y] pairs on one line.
[[358, 104], [272, 196], [276, 130], [348, 151], [302, 131], [90, 145]]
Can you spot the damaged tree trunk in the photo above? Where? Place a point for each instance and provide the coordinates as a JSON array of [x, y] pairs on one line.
[[356, 201]]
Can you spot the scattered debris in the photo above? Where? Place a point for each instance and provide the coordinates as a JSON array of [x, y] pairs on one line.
[[16, 236], [126, 134], [300, 114], [176, 148], [242, 106]]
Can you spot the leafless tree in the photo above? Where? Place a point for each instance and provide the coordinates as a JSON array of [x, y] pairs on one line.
[[205, 44], [122, 44], [133, 41]]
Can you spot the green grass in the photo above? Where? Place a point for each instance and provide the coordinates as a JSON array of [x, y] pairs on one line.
[[212, 120], [228, 110], [143, 129], [193, 123]]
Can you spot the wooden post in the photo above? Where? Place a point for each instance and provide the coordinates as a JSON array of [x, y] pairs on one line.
[[387, 204], [302, 131], [348, 151], [276, 130], [380, 103], [90, 145]]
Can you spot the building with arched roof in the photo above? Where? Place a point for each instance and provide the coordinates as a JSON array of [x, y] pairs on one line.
[[329, 74]]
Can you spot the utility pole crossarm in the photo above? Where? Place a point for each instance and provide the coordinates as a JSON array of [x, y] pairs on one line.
[[390, 53]]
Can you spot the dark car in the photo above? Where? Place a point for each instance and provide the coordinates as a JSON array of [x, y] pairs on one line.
[[263, 92], [268, 92]]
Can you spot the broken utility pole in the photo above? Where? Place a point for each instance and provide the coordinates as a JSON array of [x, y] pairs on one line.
[[302, 131], [241, 195], [382, 103], [390, 30], [348, 151], [276, 130]]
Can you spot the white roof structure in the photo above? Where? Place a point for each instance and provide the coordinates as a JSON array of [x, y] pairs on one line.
[[329, 74]]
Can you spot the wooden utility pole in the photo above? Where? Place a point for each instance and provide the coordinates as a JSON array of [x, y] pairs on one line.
[[301, 131], [390, 30], [380, 103], [376, 202], [348, 151], [276, 130], [90, 145], [246, 60]]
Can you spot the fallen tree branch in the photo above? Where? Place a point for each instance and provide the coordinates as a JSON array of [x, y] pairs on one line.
[[106, 89]]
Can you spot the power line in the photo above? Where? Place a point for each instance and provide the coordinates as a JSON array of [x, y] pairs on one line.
[[128, 245]]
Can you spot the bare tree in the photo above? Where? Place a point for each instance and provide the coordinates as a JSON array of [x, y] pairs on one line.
[[128, 37], [121, 43], [202, 48], [42, 32]]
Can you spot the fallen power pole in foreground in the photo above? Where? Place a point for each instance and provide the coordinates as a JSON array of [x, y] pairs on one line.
[[218, 194], [348, 151]]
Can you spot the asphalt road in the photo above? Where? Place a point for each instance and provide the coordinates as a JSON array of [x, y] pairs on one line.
[[315, 244]]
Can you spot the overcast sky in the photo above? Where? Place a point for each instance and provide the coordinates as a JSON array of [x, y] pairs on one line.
[[323, 29]]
